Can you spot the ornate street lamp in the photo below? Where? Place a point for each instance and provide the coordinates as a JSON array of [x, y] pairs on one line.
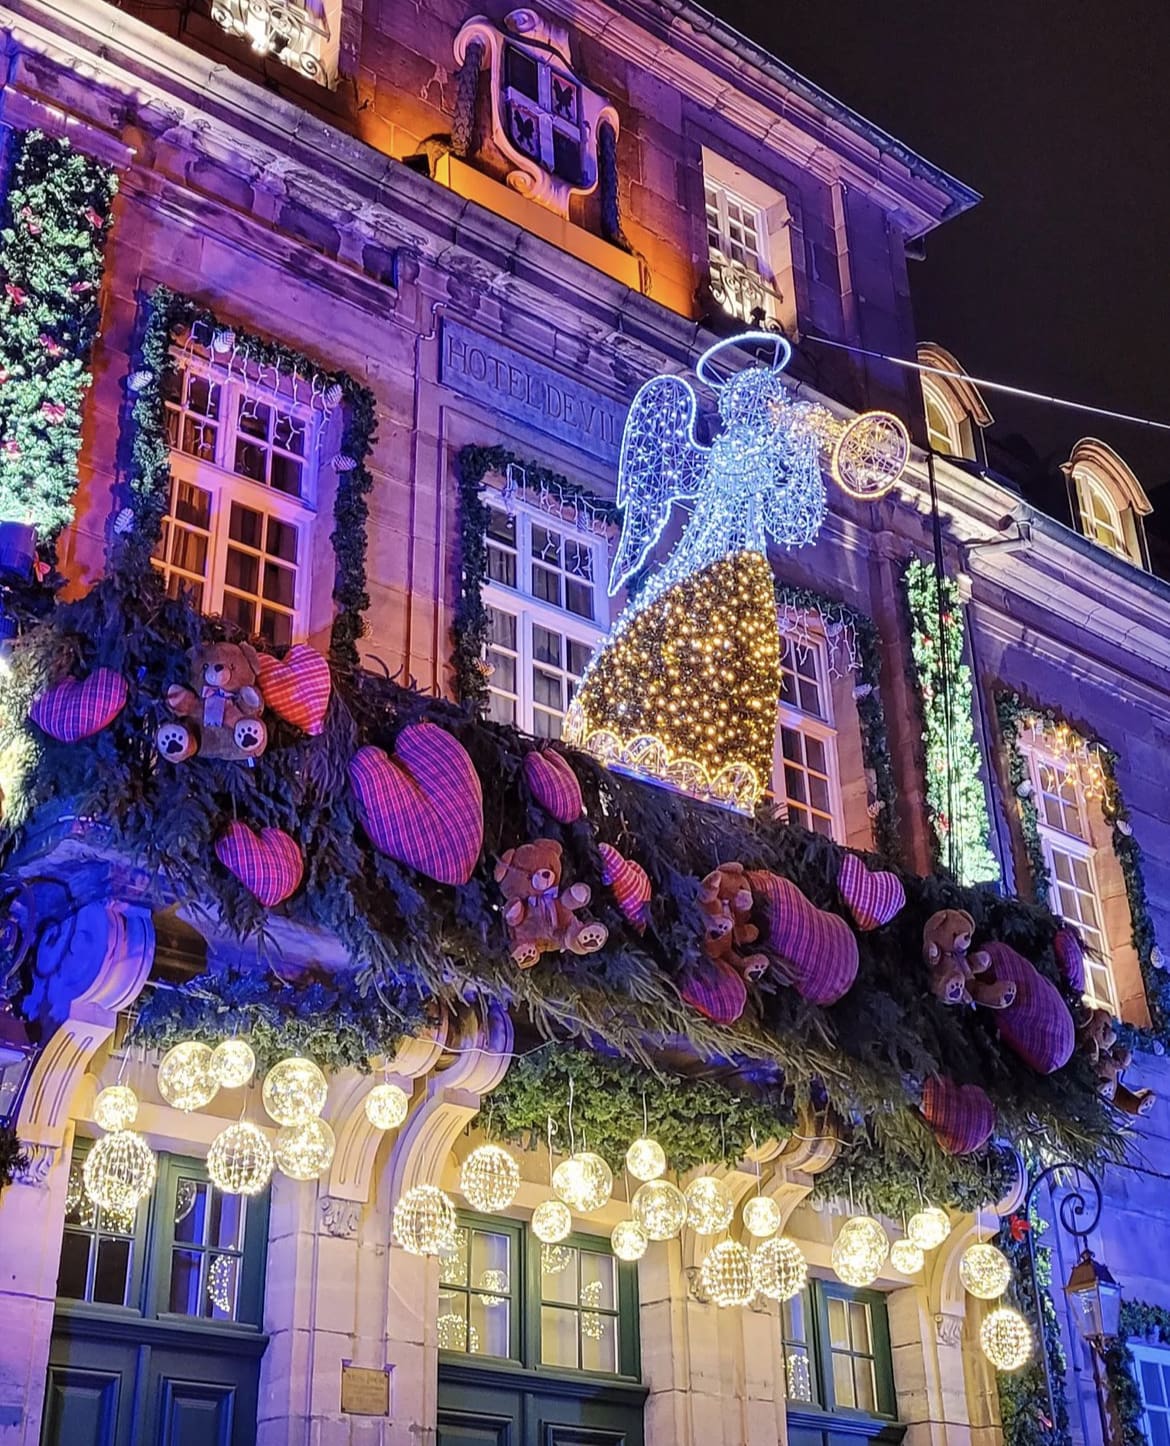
[[1095, 1299]]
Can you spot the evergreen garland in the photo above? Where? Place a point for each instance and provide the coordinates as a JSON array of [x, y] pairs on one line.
[[1013, 713], [1140, 1322], [469, 631], [871, 714], [52, 243], [952, 760], [13, 1158], [1023, 1396]]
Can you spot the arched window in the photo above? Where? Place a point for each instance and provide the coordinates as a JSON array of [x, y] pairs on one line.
[[941, 432], [1109, 502], [1100, 515], [955, 412]]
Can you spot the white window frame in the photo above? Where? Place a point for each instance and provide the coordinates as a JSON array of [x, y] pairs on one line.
[[226, 486], [1158, 1356], [821, 728], [1079, 847], [948, 440], [1090, 487], [531, 612], [725, 194], [774, 242]]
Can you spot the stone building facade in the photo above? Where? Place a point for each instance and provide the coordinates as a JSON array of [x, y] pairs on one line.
[[503, 224]]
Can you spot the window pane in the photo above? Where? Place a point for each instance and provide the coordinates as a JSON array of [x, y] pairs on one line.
[[558, 1336], [599, 1342], [810, 696], [502, 526], [282, 540], [503, 671], [502, 567], [794, 785], [838, 1324], [798, 1374], [559, 1284], [242, 570], [859, 1326], [818, 793], [501, 709], [598, 1280], [501, 628], [579, 655], [864, 1391], [223, 1283], [453, 1268], [579, 599], [286, 475], [814, 753], [546, 585], [250, 460], [546, 545], [1152, 1384], [491, 1268], [1159, 1429], [240, 611], [821, 824], [185, 1267], [491, 1321], [254, 418], [793, 1319], [452, 1324], [192, 505], [112, 1275], [202, 395], [843, 1393], [546, 725], [276, 628], [191, 1198], [226, 1222], [546, 646], [289, 433], [74, 1267], [199, 439], [246, 526], [546, 689], [189, 551], [280, 585]]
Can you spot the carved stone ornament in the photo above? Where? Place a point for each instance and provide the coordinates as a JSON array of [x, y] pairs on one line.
[[544, 118], [340, 1217], [41, 1159], [949, 1330]]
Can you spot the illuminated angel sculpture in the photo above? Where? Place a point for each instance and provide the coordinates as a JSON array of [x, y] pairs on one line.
[[686, 687]]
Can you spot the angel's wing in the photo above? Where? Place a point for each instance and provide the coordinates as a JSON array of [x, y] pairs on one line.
[[661, 463]]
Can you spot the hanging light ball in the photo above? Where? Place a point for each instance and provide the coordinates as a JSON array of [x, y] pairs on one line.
[[646, 1159], [239, 1160], [387, 1105], [710, 1209], [303, 1151], [116, 1108], [660, 1208], [629, 1240], [489, 1179], [583, 1181], [496, 1281], [762, 1216], [779, 1269], [929, 1228], [860, 1250], [1006, 1338], [424, 1221], [233, 1063], [985, 1271], [554, 1258], [453, 1260], [726, 1274], [185, 1077], [906, 1257], [294, 1091], [456, 1335], [119, 1171], [551, 1221]]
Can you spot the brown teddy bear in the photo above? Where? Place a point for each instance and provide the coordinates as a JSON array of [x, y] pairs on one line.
[[1098, 1038], [954, 971], [725, 899], [222, 715], [541, 916]]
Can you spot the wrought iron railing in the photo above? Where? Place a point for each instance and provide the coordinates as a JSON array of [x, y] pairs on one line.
[[744, 293], [292, 31]]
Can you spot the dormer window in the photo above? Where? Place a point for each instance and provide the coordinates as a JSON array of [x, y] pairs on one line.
[[749, 252], [955, 412], [1109, 501]]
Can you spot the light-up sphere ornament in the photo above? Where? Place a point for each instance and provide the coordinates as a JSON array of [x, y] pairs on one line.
[[583, 1181], [710, 1209], [497, 1282], [592, 1325], [1006, 1338], [554, 1259], [387, 1105], [660, 1208], [928, 1228], [456, 1335], [762, 1216], [185, 1077], [629, 1240], [860, 1250], [870, 455], [220, 1281], [233, 1063], [779, 1269], [906, 1258], [489, 1179], [119, 1171], [424, 1221], [240, 1160], [294, 1091], [303, 1151], [726, 1274], [74, 1190], [985, 1271], [646, 1159], [552, 1220], [453, 1260], [116, 1108]]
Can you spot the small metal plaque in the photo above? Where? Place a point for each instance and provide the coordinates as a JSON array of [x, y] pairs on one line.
[[364, 1391]]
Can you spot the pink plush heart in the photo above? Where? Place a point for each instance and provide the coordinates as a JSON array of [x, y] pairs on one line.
[[297, 688], [423, 806], [818, 951], [1038, 1026], [629, 882], [961, 1116], [71, 709], [872, 896], [268, 864], [716, 991], [554, 784]]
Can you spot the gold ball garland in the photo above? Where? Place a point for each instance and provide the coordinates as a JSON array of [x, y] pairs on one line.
[[233, 1063], [185, 1077], [240, 1160], [928, 1228], [116, 1108], [762, 1216], [303, 1151], [387, 1105], [583, 1181], [710, 1209], [425, 1221], [906, 1257], [860, 1250], [552, 1220], [985, 1271], [779, 1269], [294, 1091], [660, 1208], [646, 1159], [726, 1274], [489, 1179], [1006, 1338], [629, 1240], [119, 1171]]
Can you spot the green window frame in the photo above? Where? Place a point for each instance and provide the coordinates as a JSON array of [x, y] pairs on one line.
[[837, 1355], [168, 1253], [578, 1321]]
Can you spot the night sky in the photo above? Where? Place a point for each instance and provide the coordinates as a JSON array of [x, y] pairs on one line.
[[1058, 113]]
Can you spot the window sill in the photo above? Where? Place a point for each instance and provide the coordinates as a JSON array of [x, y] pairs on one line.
[[511, 1376], [492, 195], [123, 1323], [845, 1423]]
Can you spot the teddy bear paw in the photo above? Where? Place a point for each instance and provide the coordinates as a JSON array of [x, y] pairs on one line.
[[590, 938], [578, 895], [753, 966], [524, 956], [174, 742], [250, 735]]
